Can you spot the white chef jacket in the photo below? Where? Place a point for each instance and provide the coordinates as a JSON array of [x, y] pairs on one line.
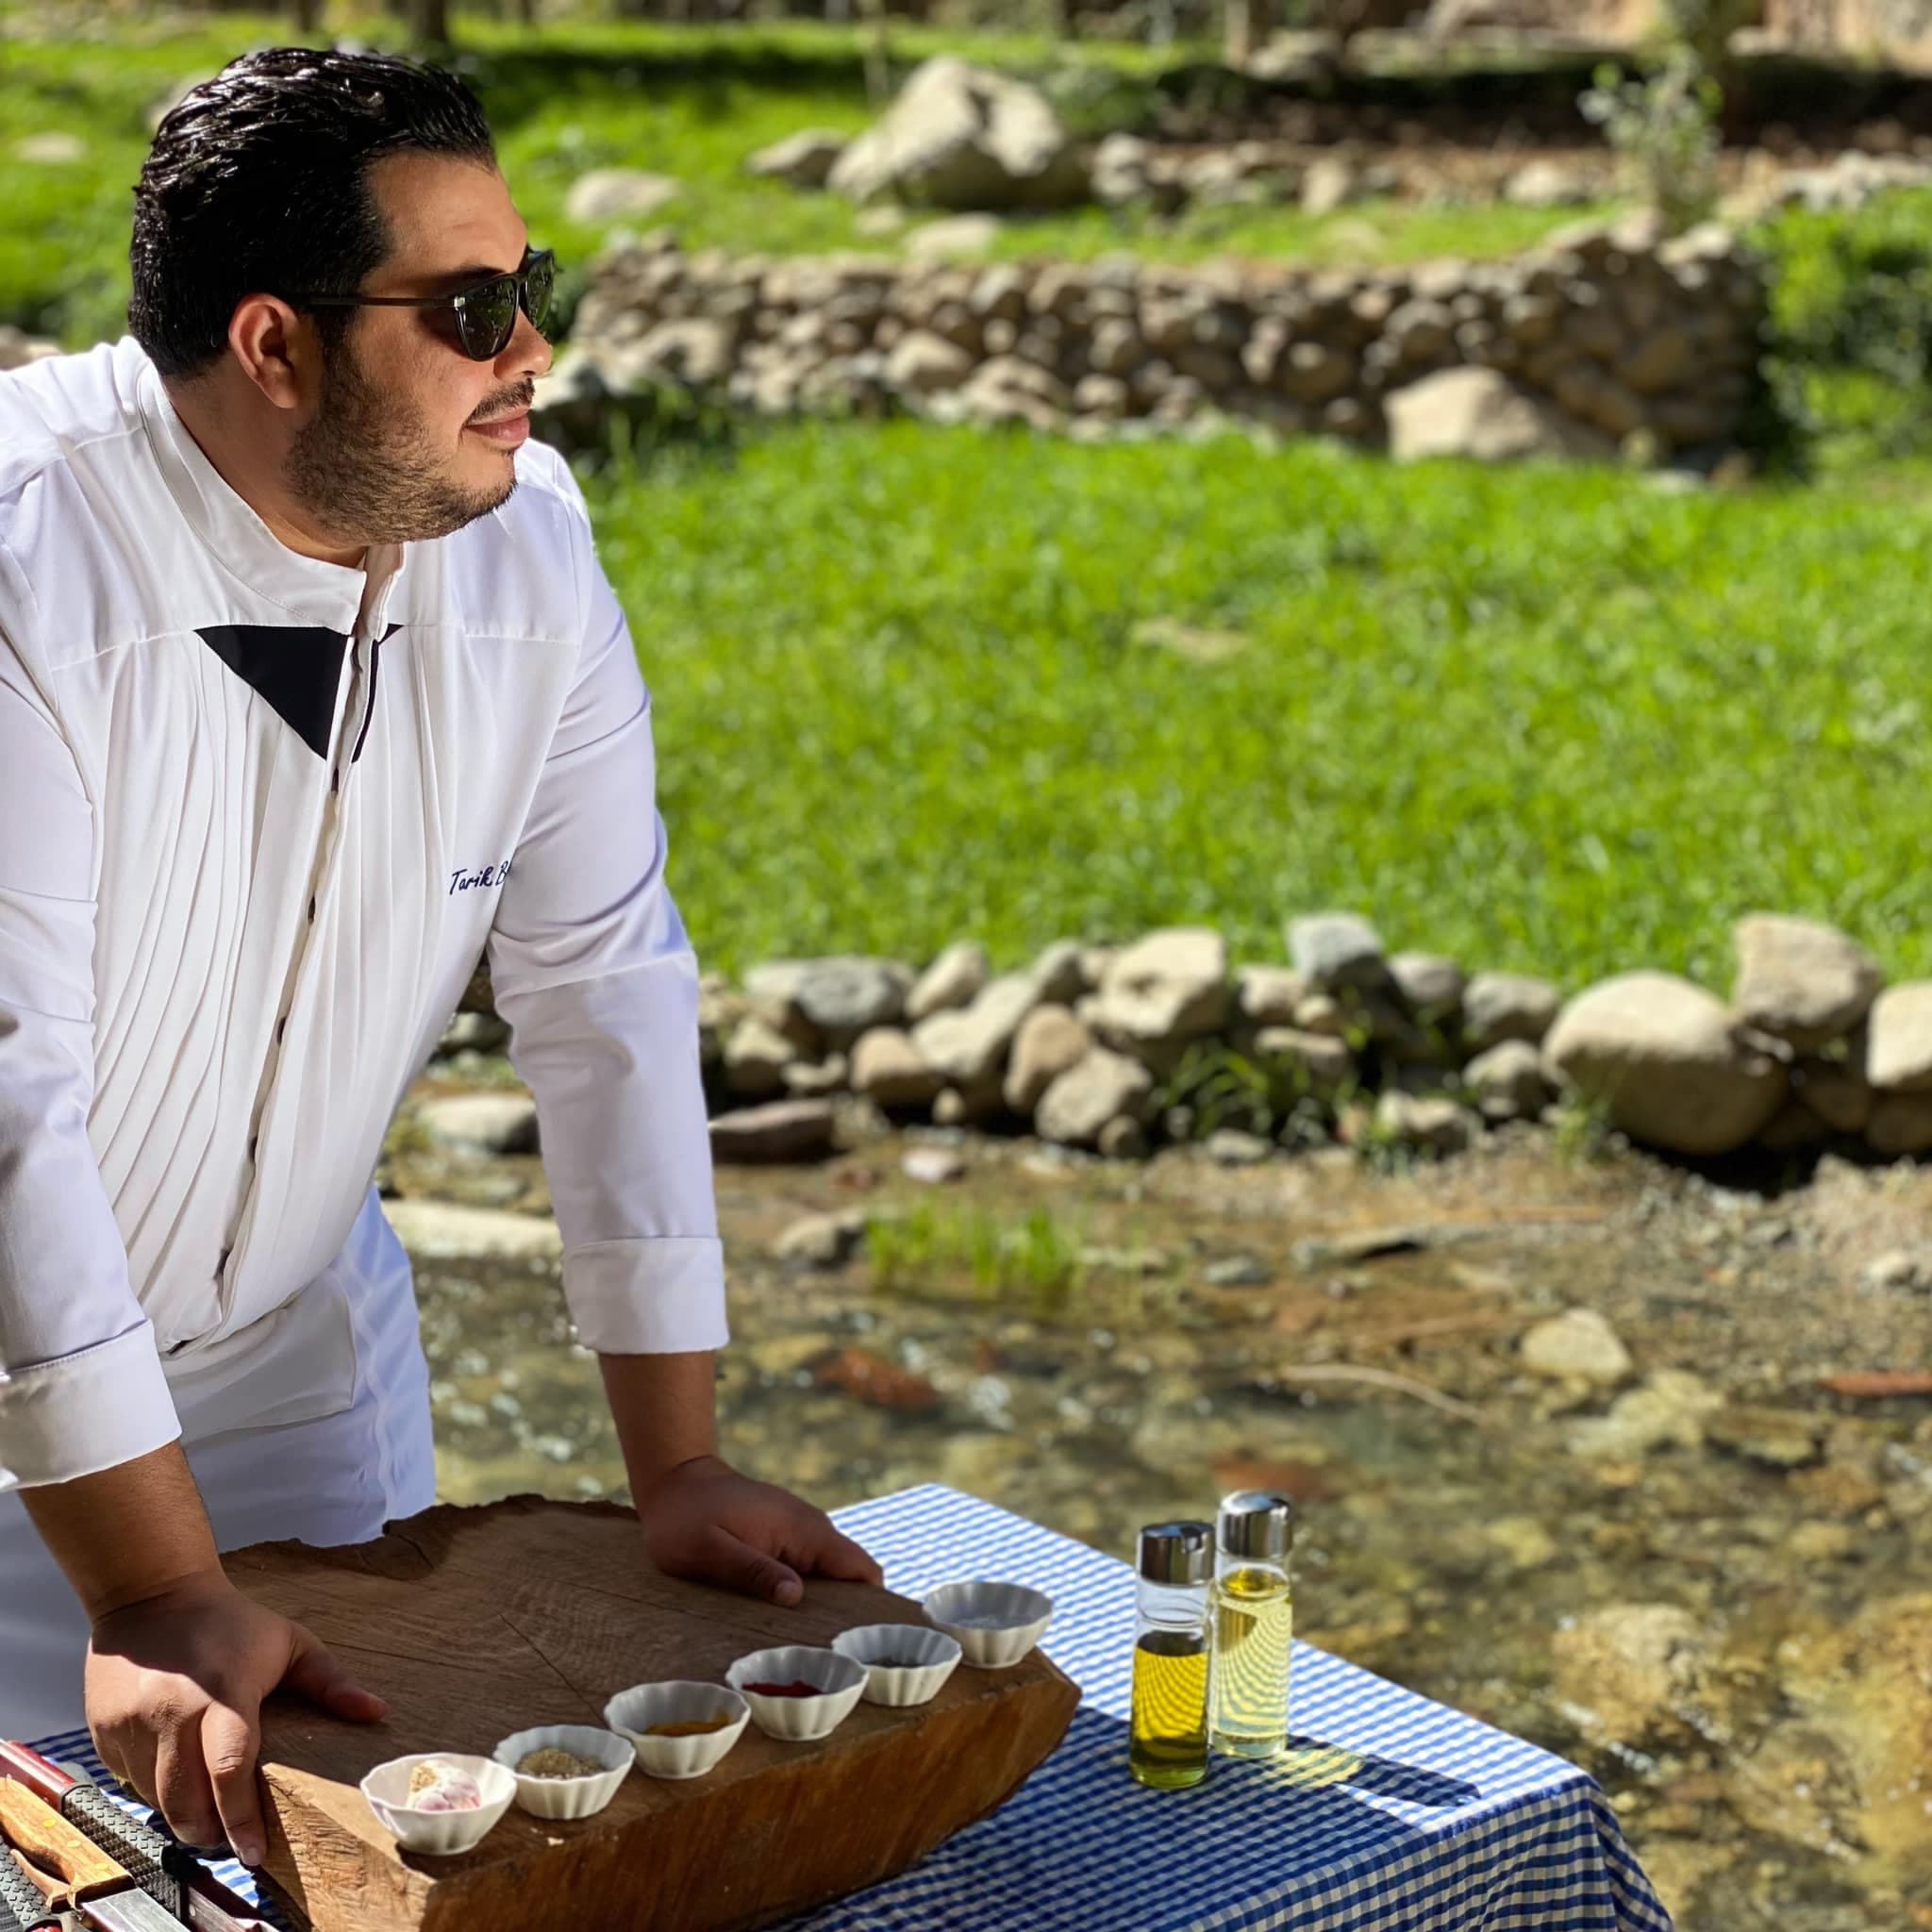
[[259, 816]]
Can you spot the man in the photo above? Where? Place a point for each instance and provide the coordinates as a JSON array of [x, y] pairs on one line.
[[311, 685]]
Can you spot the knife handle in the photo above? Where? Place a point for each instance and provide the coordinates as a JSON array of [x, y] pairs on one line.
[[27, 1767], [49, 1842]]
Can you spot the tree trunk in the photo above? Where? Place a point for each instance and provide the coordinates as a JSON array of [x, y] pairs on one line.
[[1249, 24], [429, 23], [308, 15]]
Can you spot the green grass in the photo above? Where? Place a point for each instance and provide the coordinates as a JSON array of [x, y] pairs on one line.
[[934, 1252], [1544, 720], [690, 103]]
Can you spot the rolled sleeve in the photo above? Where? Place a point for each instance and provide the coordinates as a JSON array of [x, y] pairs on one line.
[[595, 975], [82, 1383]]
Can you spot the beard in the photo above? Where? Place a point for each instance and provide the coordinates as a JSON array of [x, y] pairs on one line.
[[366, 467]]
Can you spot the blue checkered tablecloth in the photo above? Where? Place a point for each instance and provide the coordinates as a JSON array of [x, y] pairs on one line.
[[1389, 1814]]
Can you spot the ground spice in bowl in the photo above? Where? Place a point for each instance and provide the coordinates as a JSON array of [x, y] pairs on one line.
[[551, 1762], [688, 1727], [798, 1688]]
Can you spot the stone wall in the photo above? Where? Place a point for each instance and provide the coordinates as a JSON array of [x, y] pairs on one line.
[[1605, 333], [1117, 1048]]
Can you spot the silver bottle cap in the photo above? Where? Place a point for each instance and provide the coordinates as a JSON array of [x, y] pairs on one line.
[[1177, 1553], [1257, 1523]]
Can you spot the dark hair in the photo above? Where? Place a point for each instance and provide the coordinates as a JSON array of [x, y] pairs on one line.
[[257, 181]]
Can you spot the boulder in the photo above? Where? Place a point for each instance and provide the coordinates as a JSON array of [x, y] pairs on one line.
[[618, 194], [1430, 983], [441, 1230], [1663, 1056], [484, 1123], [954, 979], [891, 1072], [1507, 1081], [1269, 995], [783, 1130], [970, 1045], [1507, 1006], [755, 1058], [842, 997], [1101, 1088], [1164, 991], [1801, 980], [1577, 1346], [805, 159], [1898, 1051], [965, 137], [1050, 1041], [1629, 1671], [1482, 414], [922, 364], [1428, 1123], [1337, 949]]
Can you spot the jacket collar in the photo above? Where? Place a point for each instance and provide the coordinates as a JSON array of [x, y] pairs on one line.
[[308, 589]]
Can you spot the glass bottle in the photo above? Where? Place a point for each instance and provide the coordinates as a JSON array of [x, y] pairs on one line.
[[1254, 1625], [1168, 1744]]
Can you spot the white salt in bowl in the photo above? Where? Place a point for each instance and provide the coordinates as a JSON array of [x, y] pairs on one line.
[[932, 1657], [799, 1720], [995, 1625], [564, 1798], [438, 1834], [632, 1712]]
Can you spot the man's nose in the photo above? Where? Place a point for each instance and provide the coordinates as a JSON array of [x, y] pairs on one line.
[[526, 352]]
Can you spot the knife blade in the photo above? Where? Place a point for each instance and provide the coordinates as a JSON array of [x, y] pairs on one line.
[[165, 1870], [101, 1894]]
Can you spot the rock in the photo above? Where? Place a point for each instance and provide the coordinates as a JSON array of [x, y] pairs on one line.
[[1670, 1410], [1836, 1091], [1324, 1014], [1851, 1739], [1432, 1126], [1237, 1270], [618, 194], [1898, 1054], [488, 1122], [693, 351], [823, 1241], [1662, 1055], [1507, 1006], [755, 1058], [964, 136], [1482, 414], [1269, 995], [1900, 1123], [932, 1167], [782, 1130], [1049, 1041], [843, 997], [808, 1078], [879, 1384], [970, 1046], [1548, 184], [1791, 1127], [1100, 1087], [922, 364], [1430, 983], [1164, 991], [1507, 1081], [1577, 1346], [1631, 1672], [1123, 1138], [55, 148], [805, 159], [1777, 1438], [1231, 1148], [954, 979], [889, 1070], [474, 1033], [1801, 980], [1062, 974], [438, 1230], [1899, 1269], [875, 222], [962, 236], [1120, 169], [1329, 183], [1333, 950]]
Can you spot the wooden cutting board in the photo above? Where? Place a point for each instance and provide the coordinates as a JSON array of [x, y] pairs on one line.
[[474, 1623]]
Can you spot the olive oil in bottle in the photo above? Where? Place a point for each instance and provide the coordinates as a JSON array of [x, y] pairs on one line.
[[1254, 1626], [1168, 1735]]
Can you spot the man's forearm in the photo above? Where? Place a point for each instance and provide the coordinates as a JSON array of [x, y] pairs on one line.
[[124, 1534], [664, 1407]]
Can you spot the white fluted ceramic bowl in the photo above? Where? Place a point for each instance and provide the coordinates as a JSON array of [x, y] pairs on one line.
[[632, 1712], [564, 1798], [438, 1834], [995, 1625], [932, 1657], [799, 1720]]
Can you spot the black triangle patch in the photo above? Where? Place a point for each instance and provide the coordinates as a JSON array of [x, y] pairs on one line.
[[294, 668]]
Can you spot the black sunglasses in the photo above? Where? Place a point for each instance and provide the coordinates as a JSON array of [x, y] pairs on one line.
[[486, 315]]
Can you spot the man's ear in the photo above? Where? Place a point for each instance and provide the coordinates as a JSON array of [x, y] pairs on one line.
[[277, 350]]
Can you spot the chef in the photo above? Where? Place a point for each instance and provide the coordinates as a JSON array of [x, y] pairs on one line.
[[312, 690]]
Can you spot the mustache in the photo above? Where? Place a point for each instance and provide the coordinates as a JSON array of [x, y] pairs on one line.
[[508, 403]]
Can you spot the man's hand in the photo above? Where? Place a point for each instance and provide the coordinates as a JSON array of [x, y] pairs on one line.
[[174, 1684], [702, 1519]]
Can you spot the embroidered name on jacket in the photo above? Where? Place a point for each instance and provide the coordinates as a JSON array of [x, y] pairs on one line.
[[461, 881]]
